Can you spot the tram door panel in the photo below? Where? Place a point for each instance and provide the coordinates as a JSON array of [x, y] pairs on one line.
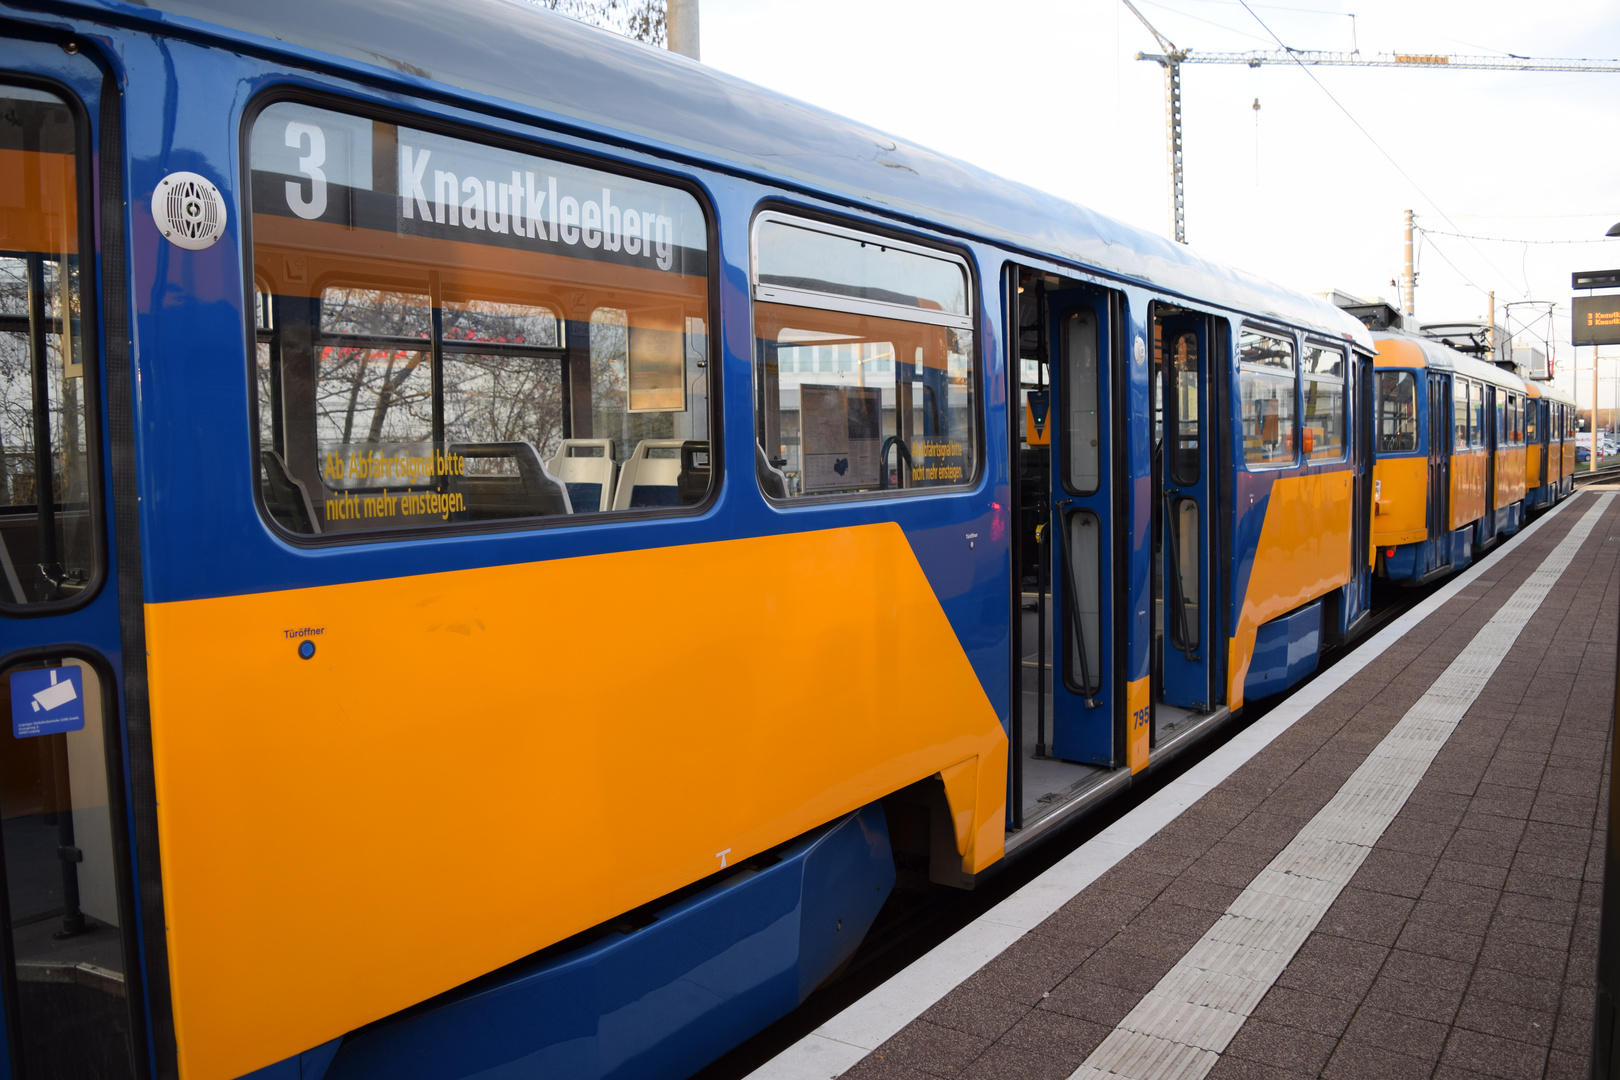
[[1085, 694], [1183, 512], [69, 999], [1441, 438]]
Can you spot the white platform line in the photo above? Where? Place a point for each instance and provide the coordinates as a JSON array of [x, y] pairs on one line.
[[1178, 1031], [846, 1038]]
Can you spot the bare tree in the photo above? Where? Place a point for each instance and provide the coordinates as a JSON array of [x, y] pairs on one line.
[[639, 19]]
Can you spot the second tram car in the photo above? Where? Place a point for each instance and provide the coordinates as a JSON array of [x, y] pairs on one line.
[[516, 545], [1465, 450]]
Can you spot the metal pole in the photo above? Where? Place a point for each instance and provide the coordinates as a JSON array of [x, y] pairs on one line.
[[681, 27], [1408, 276], [1490, 325], [1172, 99], [1594, 407]]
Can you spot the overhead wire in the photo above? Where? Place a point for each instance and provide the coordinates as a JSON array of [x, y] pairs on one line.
[[1376, 145]]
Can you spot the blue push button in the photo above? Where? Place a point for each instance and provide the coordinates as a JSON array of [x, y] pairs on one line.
[[45, 701], [306, 649]]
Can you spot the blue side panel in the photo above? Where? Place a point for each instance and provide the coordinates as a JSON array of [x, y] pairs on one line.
[[1285, 651], [310, 1065], [658, 1001]]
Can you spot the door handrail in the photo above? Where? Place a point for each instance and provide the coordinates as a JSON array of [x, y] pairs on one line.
[[1180, 591], [1071, 598]]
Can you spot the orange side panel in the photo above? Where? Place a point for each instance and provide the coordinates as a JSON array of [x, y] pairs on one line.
[[1532, 467], [1467, 487], [479, 763], [1303, 553], [1138, 705], [1510, 473], [1400, 509]]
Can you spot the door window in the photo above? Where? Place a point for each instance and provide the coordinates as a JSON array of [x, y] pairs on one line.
[[57, 831], [1082, 393], [50, 536], [1185, 395]]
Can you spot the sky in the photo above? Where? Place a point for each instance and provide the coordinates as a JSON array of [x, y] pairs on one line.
[[1311, 189]]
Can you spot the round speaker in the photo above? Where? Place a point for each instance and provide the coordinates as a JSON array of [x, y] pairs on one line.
[[189, 210]]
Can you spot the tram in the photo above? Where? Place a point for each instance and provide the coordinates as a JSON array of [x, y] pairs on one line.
[[516, 545], [1466, 450]]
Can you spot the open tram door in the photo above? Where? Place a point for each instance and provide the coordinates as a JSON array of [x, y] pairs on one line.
[[70, 988], [1187, 646], [1070, 546]]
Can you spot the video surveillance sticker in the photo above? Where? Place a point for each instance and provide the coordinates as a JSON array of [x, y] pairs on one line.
[[45, 701]]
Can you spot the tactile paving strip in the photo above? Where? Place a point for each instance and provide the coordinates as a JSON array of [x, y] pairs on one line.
[[1177, 1032]]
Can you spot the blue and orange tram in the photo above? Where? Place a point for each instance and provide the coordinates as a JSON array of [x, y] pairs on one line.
[[516, 546], [1466, 450]]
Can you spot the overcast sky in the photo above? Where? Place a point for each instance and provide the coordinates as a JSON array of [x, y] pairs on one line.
[[1048, 92]]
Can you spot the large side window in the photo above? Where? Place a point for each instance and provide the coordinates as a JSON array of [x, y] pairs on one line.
[[864, 364], [49, 536], [1323, 384], [1397, 412], [1266, 385], [451, 332]]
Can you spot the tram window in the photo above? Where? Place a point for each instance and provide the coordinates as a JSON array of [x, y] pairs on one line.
[[864, 362], [440, 323], [1184, 465], [1397, 412], [1532, 421], [1323, 419], [1267, 388], [1459, 391], [1476, 414], [49, 537]]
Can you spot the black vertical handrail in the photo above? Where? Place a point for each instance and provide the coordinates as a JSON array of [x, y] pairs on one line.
[[1071, 600], [50, 566]]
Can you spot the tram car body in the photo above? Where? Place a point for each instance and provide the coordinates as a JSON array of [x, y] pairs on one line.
[[512, 539], [1465, 450]]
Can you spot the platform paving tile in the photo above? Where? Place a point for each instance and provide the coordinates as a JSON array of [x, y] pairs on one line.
[[1463, 946]]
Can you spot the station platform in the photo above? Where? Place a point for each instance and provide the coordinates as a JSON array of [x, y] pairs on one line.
[[1395, 873]]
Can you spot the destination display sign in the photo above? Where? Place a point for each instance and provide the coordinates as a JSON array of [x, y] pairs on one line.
[[1597, 320]]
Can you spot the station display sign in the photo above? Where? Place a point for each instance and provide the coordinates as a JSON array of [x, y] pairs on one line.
[[1596, 320]]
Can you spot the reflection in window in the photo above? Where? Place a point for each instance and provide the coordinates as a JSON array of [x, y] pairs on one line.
[[1397, 412], [1266, 386], [421, 363], [48, 534], [862, 385]]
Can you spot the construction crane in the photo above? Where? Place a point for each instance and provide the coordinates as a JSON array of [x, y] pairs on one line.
[[1171, 59]]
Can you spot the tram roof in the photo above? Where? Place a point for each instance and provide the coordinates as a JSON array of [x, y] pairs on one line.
[[510, 50], [1403, 347]]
